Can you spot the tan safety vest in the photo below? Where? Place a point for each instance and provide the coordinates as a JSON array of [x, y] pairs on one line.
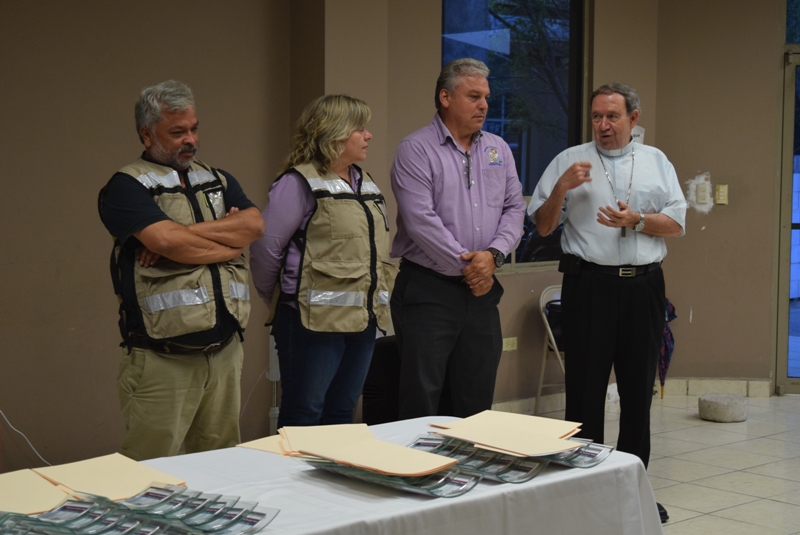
[[177, 299], [345, 276]]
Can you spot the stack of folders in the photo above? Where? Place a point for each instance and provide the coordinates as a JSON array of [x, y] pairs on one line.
[[43, 502], [514, 436], [353, 451]]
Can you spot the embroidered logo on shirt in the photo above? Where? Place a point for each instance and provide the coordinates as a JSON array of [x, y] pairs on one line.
[[494, 156]]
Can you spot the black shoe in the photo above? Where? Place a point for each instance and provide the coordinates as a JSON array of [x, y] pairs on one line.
[[662, 513]]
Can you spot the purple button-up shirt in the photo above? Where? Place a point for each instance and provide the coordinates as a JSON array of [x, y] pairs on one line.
[[452, 202]]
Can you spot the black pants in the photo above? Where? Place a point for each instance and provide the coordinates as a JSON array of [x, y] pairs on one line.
[[450, 343], [611, 320]]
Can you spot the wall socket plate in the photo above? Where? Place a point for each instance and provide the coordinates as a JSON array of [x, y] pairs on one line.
[[721, 194], [702, 193], [510, 344]]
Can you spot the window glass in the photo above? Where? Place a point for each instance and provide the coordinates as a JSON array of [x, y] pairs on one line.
[[793, 21], [526, 45]]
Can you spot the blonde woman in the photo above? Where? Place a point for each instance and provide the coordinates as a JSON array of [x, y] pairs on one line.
[[322, 266]]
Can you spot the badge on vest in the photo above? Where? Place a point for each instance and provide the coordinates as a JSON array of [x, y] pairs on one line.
[[494, 156], [216, 202]]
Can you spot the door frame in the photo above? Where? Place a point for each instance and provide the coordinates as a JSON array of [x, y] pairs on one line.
[[783, 383]]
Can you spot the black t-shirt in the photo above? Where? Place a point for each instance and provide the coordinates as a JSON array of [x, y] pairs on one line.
[[126, 207]]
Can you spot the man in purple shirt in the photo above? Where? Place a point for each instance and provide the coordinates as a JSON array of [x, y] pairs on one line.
[[460, 212]]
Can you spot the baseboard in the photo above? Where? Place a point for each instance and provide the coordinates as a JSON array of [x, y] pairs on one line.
[[691, 386], [681, 386]]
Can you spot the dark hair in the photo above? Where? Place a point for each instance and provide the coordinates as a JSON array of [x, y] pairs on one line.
[[629, 93]]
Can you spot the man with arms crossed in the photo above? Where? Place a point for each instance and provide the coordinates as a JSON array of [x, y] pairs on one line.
[[615, 221], [460, 212], [180, 227]]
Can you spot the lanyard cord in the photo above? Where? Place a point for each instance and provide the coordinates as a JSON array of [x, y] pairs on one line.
[[630, 183]]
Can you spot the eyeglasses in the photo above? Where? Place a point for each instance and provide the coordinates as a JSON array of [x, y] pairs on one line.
[[612, 118]]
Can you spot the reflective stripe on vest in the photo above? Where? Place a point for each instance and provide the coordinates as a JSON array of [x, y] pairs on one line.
[[171, 180], [177, 298], [152, 180], [336, 299], [240, 291], [370, 187], [332, 186], [200, 177], [340, 186]]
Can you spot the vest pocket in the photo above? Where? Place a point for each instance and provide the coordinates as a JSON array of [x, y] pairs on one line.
[[346, 219], [334, 299], [236, 290], [175, 299], [383, 293]]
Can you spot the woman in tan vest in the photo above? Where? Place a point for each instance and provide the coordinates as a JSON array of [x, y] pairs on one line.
[[323, 264]]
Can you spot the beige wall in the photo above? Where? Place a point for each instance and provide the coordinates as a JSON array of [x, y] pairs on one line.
[[712, 76], [626, 50], [71, 74], [720, 74]]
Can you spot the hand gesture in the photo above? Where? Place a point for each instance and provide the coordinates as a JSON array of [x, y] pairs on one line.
[[577, 174], [624, 217]]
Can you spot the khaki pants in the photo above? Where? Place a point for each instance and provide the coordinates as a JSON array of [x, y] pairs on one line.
[[168, 399]]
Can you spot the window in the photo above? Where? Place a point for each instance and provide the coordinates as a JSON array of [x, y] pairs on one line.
[[533, 49]]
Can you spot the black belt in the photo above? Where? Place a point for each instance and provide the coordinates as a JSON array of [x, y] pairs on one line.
[[620, 271], [406, 263], [142, 342]]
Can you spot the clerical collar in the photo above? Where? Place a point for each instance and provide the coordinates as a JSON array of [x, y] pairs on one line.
[[616, 152]]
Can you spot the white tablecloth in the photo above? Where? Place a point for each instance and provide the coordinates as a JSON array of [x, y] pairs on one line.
[[613, 498]]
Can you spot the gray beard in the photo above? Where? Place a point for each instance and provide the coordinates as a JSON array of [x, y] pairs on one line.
[[160, 155]]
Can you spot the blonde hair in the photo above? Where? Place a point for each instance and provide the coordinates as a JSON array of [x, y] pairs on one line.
[[323, 127]]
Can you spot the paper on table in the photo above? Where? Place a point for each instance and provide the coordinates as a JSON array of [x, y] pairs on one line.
[[383, 458], [508, 420], [270, 444], [26, 492], [521, 441], [297, 439], [114, 476]]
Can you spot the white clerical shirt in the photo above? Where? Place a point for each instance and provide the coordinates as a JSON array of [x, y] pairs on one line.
[[655, 189]]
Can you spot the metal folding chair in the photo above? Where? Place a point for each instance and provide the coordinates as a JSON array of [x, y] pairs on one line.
[[550, 347]]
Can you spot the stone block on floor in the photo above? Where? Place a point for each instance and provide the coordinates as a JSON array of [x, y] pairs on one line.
[[723, 407]]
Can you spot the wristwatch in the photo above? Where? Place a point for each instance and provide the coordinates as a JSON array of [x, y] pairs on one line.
[[638, 227], [499, 258]]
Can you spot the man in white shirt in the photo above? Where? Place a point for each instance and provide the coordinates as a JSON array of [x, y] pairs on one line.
[[618, 200]]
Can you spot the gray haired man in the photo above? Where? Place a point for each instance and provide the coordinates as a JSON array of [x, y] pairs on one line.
[[618, 200], [179, 229], [459, 204]]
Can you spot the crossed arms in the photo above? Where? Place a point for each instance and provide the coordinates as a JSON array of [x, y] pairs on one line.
[[208, 242]]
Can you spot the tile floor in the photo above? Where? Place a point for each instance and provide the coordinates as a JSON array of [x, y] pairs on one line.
[[736, 478]]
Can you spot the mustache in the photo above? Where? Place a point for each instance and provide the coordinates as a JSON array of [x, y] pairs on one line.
[[189, 148]]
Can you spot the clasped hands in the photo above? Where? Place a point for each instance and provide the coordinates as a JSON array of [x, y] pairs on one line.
[[478, 274], [624, 217]]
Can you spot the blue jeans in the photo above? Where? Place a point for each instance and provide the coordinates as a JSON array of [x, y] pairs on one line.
[[322, 374]]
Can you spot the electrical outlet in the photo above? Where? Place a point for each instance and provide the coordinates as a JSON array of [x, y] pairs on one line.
[[702, 193], [721, 194], [510, 344]]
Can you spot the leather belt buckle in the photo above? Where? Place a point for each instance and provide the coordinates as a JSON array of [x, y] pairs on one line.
[[213, 348], [627, 272]]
